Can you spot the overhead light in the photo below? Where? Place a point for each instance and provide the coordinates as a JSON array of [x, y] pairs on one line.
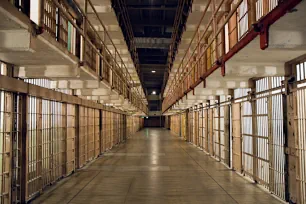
[[153, 71], [154, 92]]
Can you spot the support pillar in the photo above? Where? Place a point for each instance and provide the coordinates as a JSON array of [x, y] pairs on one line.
[[187, 124], [77, 136], [227, 133], [23, 150], [290, 131], [251, 98]]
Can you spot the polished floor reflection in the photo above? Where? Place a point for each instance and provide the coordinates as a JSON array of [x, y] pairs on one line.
[[156, 167]]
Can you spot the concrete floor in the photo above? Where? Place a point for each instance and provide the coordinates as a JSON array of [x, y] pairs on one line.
[[156, 167]]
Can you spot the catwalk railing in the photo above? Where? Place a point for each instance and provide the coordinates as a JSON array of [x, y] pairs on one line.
[[258, 132], [46, 135], [70, 24], [227, 23]]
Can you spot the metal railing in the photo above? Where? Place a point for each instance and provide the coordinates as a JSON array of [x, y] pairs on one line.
[[73, 29], [228, 23]]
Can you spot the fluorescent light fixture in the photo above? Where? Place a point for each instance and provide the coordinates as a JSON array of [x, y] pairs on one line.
[[154, 92], [153, 71]]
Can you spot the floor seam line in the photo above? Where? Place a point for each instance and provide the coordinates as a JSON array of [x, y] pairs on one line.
[[209, 174], [83, 187], [133, 178]]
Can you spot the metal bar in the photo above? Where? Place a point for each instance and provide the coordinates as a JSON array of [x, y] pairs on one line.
[[23, 151]]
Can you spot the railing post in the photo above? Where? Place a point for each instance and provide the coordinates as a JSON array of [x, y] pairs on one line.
[[58, 26], [83, 55], [252, 12], [41, 13], [24, 5]]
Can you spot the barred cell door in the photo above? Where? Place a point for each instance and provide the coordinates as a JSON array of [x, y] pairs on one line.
[[190, 126], [237, 147], [205, 128], [211, 131], [227, 150], [196, 128]]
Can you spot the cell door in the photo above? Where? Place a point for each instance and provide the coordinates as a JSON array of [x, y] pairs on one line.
[[237, 147], [196, 128], [227, 149], [205, 128], [211, 131]]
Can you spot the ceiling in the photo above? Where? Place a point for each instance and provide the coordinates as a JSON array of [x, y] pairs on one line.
[[149, 28]]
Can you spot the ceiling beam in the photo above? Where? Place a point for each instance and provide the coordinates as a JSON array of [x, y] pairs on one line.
[[158, 75], [144, 54], [154, 23], [133, 3], [154, 65], [154, 8], [144, 68]]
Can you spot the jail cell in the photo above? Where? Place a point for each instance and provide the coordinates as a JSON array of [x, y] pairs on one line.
[[58, 139], [46, 144], [129, 125], [71, 136], [300, 124], [46, 134], [96, 124], [216, 131], [83, 135], [175, 124], [35, 171], [16, 146], [237, 138], [263, 139], [121, 128], [195, 126], [190, 125], [201, 127], [205, 129], [221, 133], [10, 147], [261, 133], [103, 134], [183, 125], [247, 138], [277, 144], [109, 130], [112, 129], [116, 128], [106, 130], [90, 134], [124, 127], [210, 130], [226, 140]]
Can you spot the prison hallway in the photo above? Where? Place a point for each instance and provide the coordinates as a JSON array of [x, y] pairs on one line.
[[156, 166]]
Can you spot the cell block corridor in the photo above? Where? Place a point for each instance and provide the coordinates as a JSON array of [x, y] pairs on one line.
[[153, 101]]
